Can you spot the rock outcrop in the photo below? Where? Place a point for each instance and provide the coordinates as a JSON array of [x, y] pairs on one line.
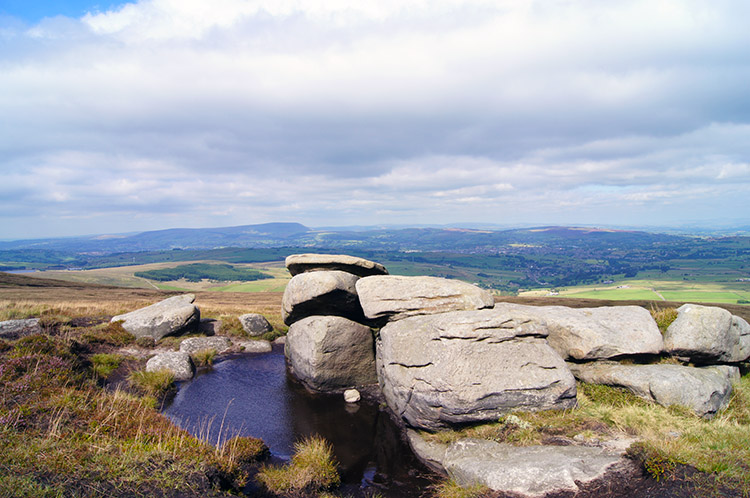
[[597, 333], [704, 390], [328, 353], [706, 334], [470, 366], [178, 363], [255, 324], [173, 316], [300, 263], [321, 293], [397, 297]]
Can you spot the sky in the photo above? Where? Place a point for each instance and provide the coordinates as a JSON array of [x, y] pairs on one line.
[[121, 117]]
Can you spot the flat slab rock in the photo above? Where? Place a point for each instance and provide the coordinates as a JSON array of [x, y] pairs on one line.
[[301, 263], [321, 293], [708, 333], [172, 316], [254, 346], [530, 471], [469, 366], [704, 390], [13, 329], [193, 345], [397, 297], [597, 333]]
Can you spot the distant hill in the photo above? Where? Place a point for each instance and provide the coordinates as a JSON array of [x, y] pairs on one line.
[[264, 235]]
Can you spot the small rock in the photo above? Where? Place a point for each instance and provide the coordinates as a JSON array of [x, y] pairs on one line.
[[351, 396], [255, 324], [280, 340], [194, 344], [179, 363], [257, 346]]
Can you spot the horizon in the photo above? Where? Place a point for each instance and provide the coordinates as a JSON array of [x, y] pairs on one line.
[[137, 116]]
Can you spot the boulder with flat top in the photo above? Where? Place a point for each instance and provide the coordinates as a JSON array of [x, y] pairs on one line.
[[173, 316]]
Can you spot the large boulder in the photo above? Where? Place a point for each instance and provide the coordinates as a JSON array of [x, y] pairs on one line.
[[702, 333], [178, 363], [13, 329], [321, 293], [396, 297], [470, 366], [301, 263], [173, 316], [532, 471], [255, 324], [328, 353], [740, 334], [597, 333], [704, 390]]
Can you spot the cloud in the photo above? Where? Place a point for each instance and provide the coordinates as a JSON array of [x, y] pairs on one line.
[[166, 112]]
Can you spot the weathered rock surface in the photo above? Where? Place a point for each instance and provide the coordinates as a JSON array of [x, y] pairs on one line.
[[329, 352], [179, 363], [702, 333], [13, 329], [530, 471], [597, 333], [397, 297], [321, 293], [301, 263], [256, 346], [194, 344], [704, 390], [740, 334], [470, 366], [255, 324], [173, 316]]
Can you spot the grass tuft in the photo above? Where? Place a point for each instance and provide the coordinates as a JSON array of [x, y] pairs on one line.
[[105, 363], [449, 489], [111, 334], [156, 383], [664, 317], [204, 357], [313, 468]]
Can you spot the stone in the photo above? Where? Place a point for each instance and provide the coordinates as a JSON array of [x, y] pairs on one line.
[[14, 329], [740, 334], [705, 390], [396, 297], [321, 293], [702, 333], [255, 324], [597, 333], [194, 344], [173, 316], [352, 396], [280, 340], [255, 346], [529, 471], [463, 367], [300, 263], [178, 363], [327, 353]]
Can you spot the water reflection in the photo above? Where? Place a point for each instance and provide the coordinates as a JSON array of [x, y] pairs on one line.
[[251, 395]]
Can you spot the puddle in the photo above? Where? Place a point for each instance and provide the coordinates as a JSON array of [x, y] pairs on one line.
[[251, 395]]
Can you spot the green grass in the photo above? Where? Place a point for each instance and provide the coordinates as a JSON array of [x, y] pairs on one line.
[[105, 363], [156, 383], [271, 285]]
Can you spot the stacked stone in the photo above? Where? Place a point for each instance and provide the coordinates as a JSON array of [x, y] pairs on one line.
[[446, 357], [330, 345], [622, 346]]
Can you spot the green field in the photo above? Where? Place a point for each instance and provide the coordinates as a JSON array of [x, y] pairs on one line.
[[654, 290]]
